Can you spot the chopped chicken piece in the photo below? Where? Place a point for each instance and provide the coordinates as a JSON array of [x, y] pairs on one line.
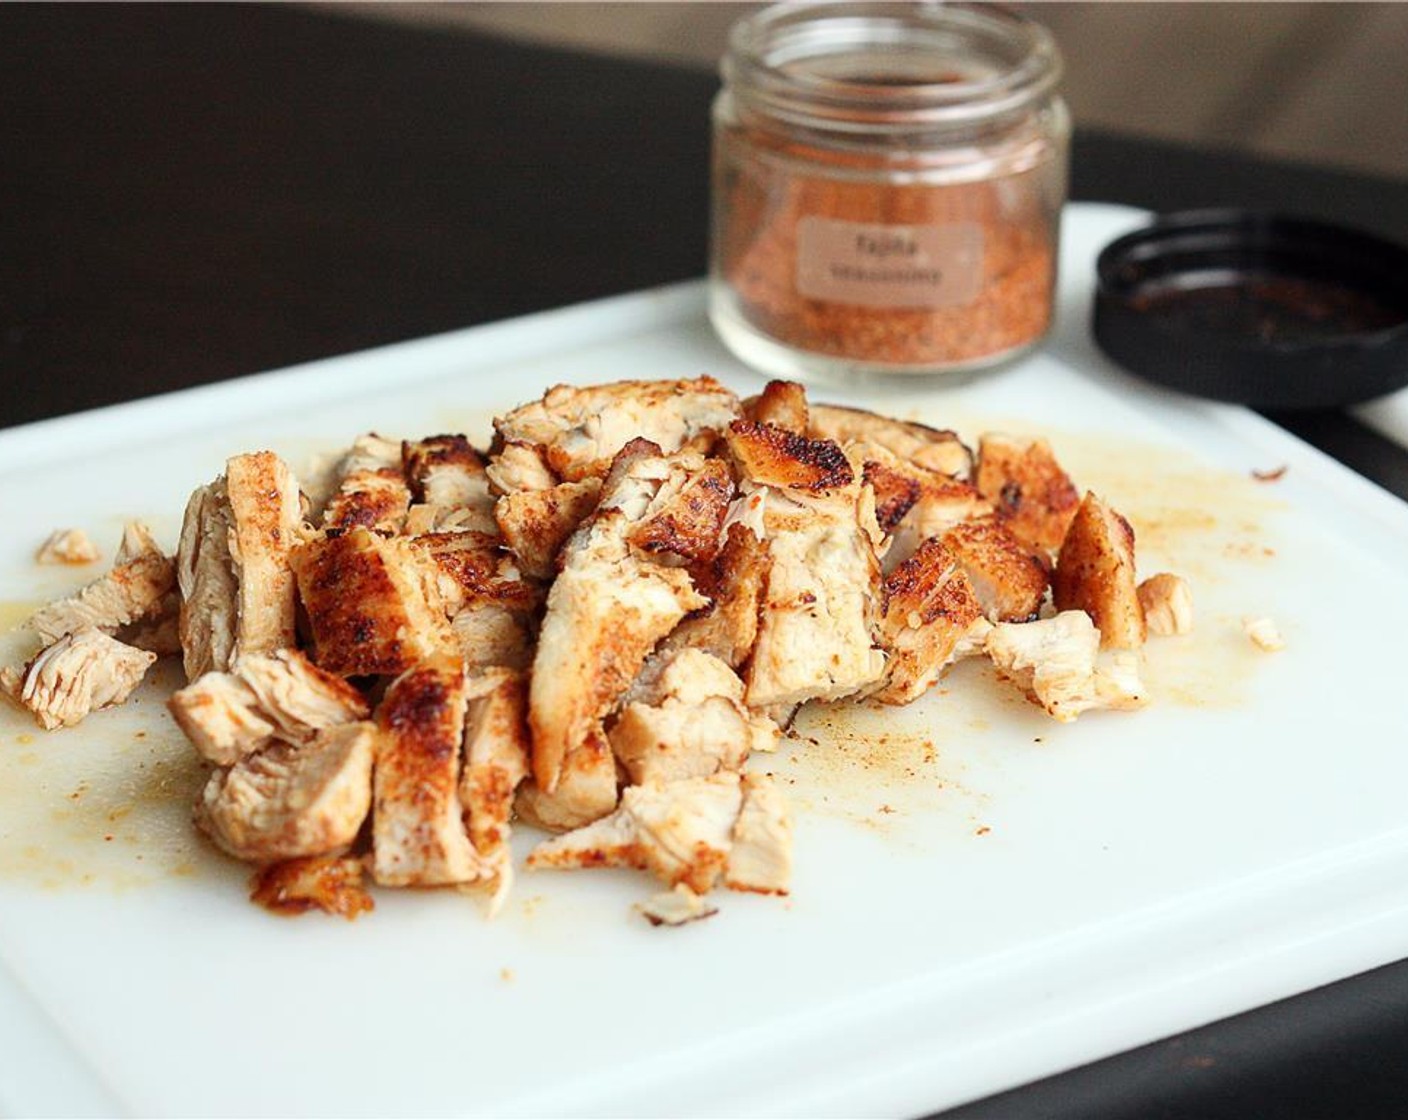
[[372, 604], [582, 429], [283, 695], [490, 636], [675, 907], [913, 503], [266, 515], [1095, 574], [371, 490], [291, 801], [931, 448], [760, 859], [332, 884], [158, 632], [1264, 634], [930, 606], [1055, 661], [67, 546], [691, 831], [896, 492], [237, 591], [206, 575], [686, 518], [496, 760], [140, 579], [519, 466], [418, 832], [782, 404], [220, 716], [79, 673], [682, 831], [815, 629], [537, 523], [449, 482], [729, 627], [1009, 581], [1032, 493], [586, 787], [687, 720], [446, 471], [1167, 602], [605, 612], [471, 569]]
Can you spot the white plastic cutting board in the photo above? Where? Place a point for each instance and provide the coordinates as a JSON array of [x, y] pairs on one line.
[[981, 896]]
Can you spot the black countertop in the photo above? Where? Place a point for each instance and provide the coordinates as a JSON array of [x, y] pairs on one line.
[[190, 193]]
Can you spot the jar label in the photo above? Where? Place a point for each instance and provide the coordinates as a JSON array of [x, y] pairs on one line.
[[892, 266]]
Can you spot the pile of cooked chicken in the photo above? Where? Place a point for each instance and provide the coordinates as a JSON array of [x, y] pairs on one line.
[[591, 628]]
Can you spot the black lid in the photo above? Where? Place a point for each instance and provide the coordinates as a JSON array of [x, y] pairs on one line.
[[1258, 309]]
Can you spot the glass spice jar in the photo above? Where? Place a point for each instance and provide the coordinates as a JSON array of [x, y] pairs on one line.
[[887, 188]]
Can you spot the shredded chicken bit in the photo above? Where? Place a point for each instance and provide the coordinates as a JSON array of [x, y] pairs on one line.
[[592, 626]]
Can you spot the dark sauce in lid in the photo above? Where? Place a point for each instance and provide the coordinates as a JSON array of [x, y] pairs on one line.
[[1258, 309]]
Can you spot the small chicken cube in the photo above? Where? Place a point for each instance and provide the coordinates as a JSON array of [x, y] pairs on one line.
[[781, 404], [140, 579], [1009, 581], [536, 523], [67, 546], [1167, 602]]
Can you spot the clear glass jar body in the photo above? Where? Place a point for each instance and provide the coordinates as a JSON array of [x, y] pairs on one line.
[[887, 188]]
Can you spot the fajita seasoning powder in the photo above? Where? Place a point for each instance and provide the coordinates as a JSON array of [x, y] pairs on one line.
[[888, 183]]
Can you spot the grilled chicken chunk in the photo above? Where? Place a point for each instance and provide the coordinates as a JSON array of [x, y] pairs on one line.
[[783, 404], [237, 592], [761, 857], [418, 832], [1009, 581], [206, 575], [290, 801], [496, 761], [676, 907], [931, 448], [1095, 573], [140, 579], [912, 503], [685, 719], [1022, 478], [1167, 603], [581, 429], [1055, 661], [606, 610], [283, 695], [692, 831], [536, 523], [372, 491], [519, 466], [449, 484], [728, 629], [81, 672], [586, 790], [930, 606], [372, 604], [266, 515], [491, 608], [67, 546], [820, 605]]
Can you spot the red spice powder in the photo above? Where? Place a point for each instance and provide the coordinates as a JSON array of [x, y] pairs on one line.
[[766, 195]]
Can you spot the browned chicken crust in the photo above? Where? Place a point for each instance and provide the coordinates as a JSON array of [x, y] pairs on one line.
[[1095, 574], [1031, 491], [371, 608], [782, 404]]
